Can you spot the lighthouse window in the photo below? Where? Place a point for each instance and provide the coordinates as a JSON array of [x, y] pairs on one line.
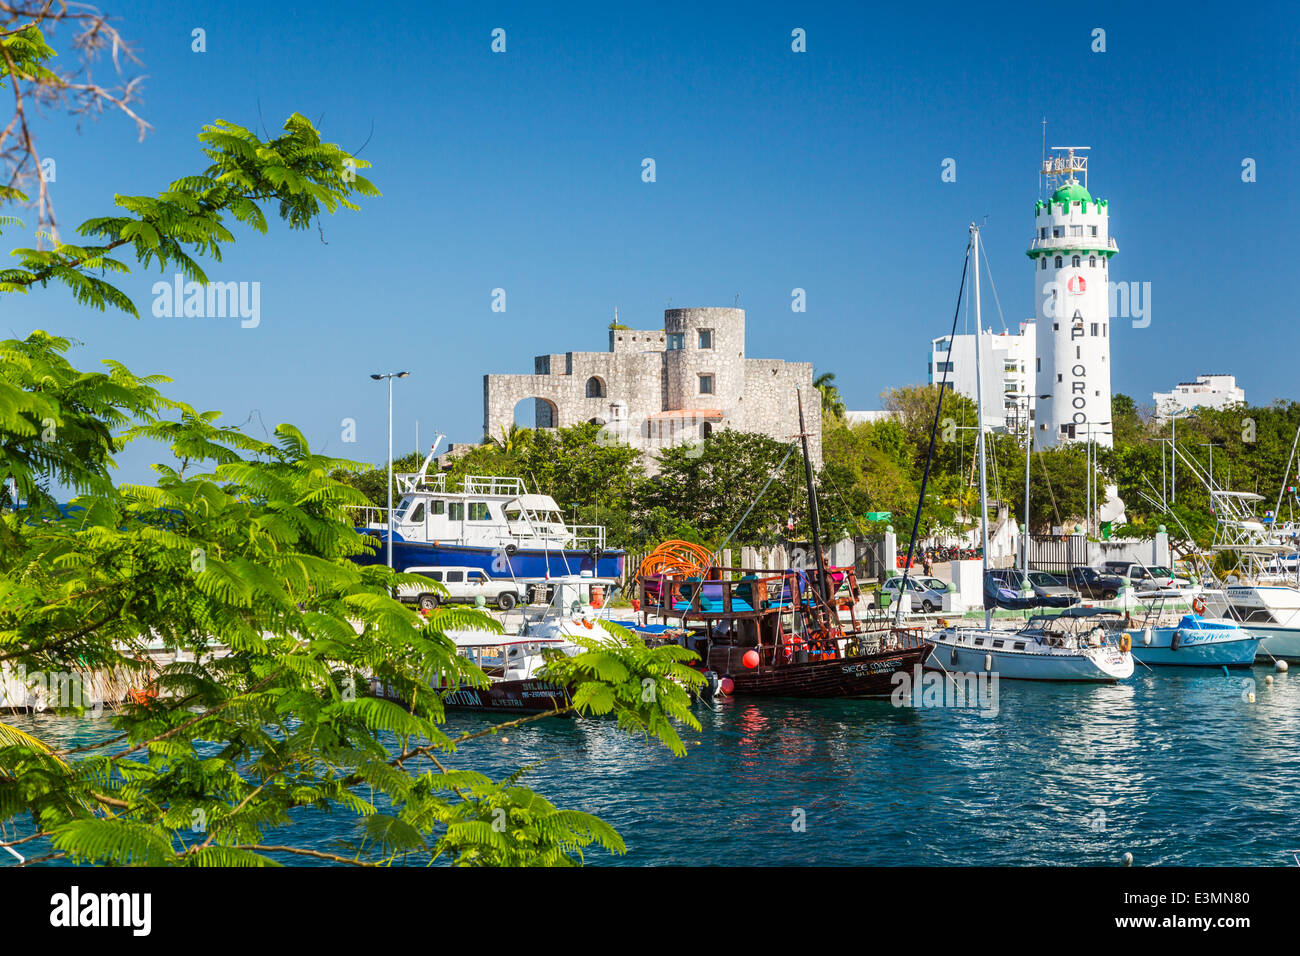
[[676, 340], [1042, 233], [706, 384], [1094, 328], [1059, 262], [706, 338], [1043, 261], [1058, 232], [1074, 261], [1092, 262], [1092, 230], [1076, 231]]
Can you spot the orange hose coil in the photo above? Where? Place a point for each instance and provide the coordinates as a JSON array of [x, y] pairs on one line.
[[676, 557]]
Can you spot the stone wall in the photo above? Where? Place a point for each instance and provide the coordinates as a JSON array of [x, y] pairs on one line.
[[640, 377]]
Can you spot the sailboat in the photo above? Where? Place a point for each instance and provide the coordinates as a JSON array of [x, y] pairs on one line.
[[1043, 649]]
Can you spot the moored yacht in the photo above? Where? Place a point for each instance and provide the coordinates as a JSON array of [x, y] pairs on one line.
[[491, 523]]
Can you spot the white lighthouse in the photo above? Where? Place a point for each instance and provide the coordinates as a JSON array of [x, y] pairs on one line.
[[1071, 250]]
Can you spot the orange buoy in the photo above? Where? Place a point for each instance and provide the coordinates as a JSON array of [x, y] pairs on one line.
[[750, 659]]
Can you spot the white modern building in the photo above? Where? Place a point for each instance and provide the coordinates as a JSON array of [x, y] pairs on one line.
[[1071, 251], [1007, 363], [1208, 391]]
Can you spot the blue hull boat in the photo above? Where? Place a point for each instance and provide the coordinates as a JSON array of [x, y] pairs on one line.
[[1195, 642], [508, 562]]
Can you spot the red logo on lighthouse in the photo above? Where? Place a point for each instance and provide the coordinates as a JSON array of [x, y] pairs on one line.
[[1077, 285]]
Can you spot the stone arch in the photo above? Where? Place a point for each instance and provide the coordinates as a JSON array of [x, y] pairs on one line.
[[596, 387], [533, 411]]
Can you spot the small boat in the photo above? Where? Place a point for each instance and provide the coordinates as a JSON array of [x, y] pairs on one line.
[[1196, 642], [577, 604]]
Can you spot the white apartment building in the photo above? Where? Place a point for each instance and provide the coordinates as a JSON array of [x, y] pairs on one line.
[[1007, 365], [1208, 391]]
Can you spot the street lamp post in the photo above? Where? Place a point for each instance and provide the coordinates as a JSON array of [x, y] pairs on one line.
[[389, 519], [1091, 476]]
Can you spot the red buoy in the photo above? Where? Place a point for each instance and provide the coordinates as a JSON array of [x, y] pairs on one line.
[[727, 685], [750, 659]]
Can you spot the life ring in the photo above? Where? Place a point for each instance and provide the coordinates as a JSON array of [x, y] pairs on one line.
[[1198, 605], [1125, 642]]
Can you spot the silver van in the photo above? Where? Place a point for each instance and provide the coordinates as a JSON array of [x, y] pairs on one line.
[[462, 585]]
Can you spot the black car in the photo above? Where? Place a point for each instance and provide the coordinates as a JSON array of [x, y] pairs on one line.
[[1093, 583]]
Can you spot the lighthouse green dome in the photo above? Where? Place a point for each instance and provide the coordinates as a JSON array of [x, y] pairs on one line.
[[1071, 192]]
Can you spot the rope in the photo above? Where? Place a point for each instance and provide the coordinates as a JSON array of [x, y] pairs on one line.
[[934, 432]]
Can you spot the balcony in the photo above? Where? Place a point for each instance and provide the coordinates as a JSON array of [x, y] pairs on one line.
[[1072, 242]]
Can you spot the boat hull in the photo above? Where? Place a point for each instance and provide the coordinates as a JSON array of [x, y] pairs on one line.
[[868, 675], [1098, 665], [1237, 648], [521, 696], [496, 562]]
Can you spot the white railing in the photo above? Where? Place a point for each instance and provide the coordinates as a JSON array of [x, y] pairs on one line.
[[1072, 242], [490, 485]]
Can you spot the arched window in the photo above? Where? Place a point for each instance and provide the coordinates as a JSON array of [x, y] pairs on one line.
[[706, 430], [1059, 262], [1074, 261], [1092, 262], [1044, 262], [595, 387]]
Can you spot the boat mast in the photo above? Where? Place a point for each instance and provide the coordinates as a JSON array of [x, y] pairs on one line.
[[979, 410], [822, 588]]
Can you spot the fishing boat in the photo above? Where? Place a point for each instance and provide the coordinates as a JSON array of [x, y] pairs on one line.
[[1051, 648], [491, 523], [780, 633]]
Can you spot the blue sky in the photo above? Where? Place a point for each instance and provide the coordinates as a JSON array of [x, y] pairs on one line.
[[775, 170]]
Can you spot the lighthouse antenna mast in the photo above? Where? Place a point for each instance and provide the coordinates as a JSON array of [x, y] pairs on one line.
[[1065, 167]]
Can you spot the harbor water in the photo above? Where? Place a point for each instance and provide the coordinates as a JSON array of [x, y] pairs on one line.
[[1173, 766]]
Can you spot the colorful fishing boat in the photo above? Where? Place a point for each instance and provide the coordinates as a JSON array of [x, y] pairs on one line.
[[781, 634]]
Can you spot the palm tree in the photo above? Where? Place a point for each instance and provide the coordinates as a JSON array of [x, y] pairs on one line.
[[831, 400], [513, 439]]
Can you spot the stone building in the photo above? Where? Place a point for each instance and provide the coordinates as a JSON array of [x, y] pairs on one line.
[[659, 387]]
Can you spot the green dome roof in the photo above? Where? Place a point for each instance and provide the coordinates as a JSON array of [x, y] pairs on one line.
[[1071, 192]]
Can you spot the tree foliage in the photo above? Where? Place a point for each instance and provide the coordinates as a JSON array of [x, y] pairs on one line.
[[237, 563]]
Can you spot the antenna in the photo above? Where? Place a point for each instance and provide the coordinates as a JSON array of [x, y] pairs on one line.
[[1040, 182]]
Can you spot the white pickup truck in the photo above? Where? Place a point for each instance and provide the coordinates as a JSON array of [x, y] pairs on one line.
[[461, 584]]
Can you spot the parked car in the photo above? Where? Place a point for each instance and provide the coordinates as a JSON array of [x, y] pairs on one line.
[[923, 598], [1095, 583], [1144, 578], [462, 585], [1041, 583], [1046, 584]]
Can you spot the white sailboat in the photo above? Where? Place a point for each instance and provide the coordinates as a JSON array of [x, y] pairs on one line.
[[1039, 650]]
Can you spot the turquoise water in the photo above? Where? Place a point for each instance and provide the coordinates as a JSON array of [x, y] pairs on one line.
[[1174, 767]]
